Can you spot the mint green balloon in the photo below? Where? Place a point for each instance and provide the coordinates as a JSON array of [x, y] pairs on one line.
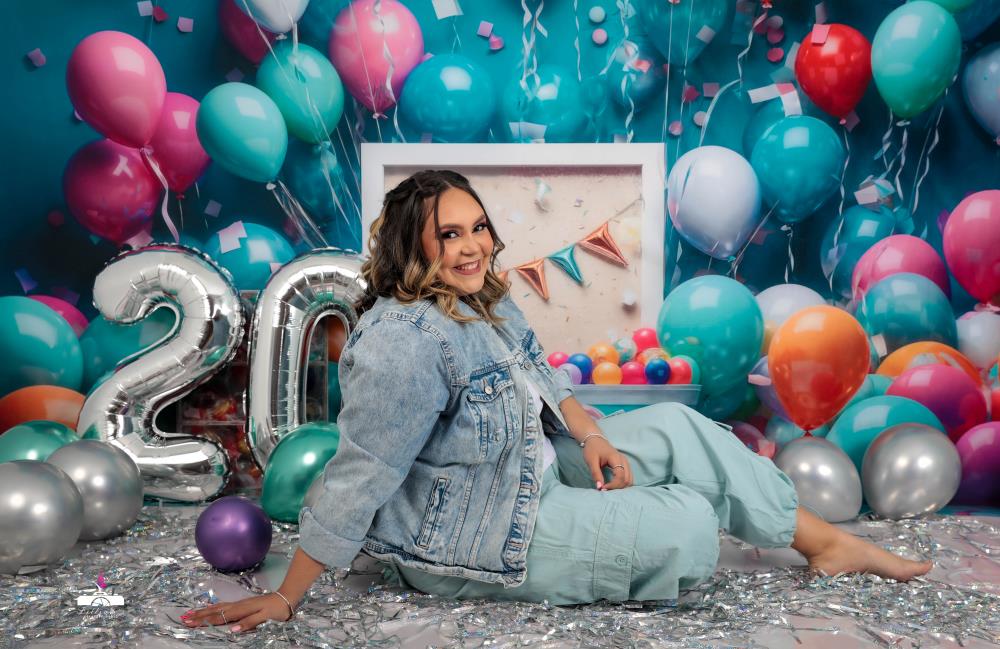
[[243, 131], [859, 425], [915, 56], [716, 321], [294, 463], [954, 6], [34, 440], [37, 345], [874, 385], [106, 343], [907, 308], [306, 89]]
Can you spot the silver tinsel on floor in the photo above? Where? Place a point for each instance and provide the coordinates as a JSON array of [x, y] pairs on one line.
[[754, 599]]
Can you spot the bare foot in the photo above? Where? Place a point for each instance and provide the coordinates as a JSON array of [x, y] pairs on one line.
[[848, 553]]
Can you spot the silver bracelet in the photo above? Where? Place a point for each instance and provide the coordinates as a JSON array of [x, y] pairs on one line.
[[291, 609], [588, 436]]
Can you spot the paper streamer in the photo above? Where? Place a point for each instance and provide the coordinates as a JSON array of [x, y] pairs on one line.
[[146, 154]]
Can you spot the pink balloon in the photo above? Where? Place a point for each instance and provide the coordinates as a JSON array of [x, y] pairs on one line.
[[948, 392], [633, 373], [175, 146], [243, 33], [358, 41], [117, 86], [979, 450], [110, 191], [972, 244], [70, 313], [900, 253], [754, 439]]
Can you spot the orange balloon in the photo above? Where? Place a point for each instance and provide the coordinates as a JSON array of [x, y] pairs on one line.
[[607, 373], [603, 352], [818, 359], [927, 353], [336, 337], [653, 352], [50, 402]]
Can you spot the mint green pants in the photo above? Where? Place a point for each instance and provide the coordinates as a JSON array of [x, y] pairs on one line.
[[650, 540]]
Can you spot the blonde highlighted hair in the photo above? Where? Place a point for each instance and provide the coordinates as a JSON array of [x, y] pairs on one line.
[[397, 266]]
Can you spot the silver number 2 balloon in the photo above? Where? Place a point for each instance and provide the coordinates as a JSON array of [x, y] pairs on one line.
[[324, 282], [122, 409]]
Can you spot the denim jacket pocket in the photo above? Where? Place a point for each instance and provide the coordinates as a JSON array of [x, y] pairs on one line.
[[435, 503], [492, 397]]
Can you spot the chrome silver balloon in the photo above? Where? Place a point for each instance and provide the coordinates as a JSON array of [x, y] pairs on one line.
[[325, 282], [41, 514], [122, 410], [109, 482], [825, 479], [909, 470]]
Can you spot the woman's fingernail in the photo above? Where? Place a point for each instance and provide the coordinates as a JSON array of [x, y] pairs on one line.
[[236, 628], [600, 484]]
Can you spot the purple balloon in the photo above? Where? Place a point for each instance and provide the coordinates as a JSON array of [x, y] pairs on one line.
[[233, 533], [765, 389], [575, 375], [979, 449]]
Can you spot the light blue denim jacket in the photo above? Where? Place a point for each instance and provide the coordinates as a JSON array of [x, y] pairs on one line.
[[440, 461]]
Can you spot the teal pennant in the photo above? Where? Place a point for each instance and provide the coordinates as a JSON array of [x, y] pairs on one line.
[[565, 260]]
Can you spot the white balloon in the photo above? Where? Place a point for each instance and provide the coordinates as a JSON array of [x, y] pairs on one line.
[[279, 16], [979, 337], [781, 301], [713, 198]]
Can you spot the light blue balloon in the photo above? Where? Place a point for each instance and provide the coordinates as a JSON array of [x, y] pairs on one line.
[[874, 385], [915, 56], [906, 308], [738, 402], [242, 130], [767, 115], [37, 345], [799, 161], [781, 431], [858, 426], [977, 18], [550, 108], [636, 70], [251, 263], [716, 321], [681, 31], [981, 88], [855, 232], [105, 344], [306, 89], [449, 97], [318, 180]]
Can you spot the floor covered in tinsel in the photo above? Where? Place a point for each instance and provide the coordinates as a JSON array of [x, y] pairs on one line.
[[757, 598]]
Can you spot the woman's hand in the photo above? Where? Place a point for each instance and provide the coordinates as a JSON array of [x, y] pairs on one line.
[[598, 452], [244, 615]]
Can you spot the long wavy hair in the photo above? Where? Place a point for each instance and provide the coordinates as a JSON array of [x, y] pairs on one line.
[[397, 266]]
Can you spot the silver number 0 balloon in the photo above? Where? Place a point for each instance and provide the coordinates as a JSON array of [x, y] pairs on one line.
[[122, 410], [324, 282]]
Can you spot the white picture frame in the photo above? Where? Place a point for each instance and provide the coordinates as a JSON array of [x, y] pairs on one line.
[[643, 170]]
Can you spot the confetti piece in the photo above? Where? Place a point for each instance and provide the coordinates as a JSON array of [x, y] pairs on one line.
[[642, 65], [942, 220], [705, 34], [24, 277], [775, 22], [275, 265], [100, 581], [185, 25], [516, 217], [36, 57], [94, 239], [145, 7], [628, 297], [159, 14], [485, 29], [426, 138], [56, 218], [710, 89], [821, 12], [791, 103], [599, 36], [867, 195], [758, 379], [760, 24], [690, 94], [527, 130], [851, 121], [77, 117], [675, 128], [819, 34], [426, 57], [496, 43], [139, 240], [596, 14], [785, 88], [699, 118], [620, 138], [229, 238], [775, 36], [446, 8], [578, 202], [763, 93], [66, 295], [213, 208], [234, 75], [775, 54]]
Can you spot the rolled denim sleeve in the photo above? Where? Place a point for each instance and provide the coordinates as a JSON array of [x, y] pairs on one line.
[[563, 385], [396, 383]]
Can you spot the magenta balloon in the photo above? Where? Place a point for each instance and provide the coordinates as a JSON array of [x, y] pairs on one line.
[[117, 86], [70, 313], [361, 34], [948, 392], [900, 253], [175, 147], [110, 191], [243, 33], [753, 439], [971, 240], [979, 449], [233, 533]]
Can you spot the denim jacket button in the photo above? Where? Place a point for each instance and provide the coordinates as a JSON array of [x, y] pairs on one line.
[[489, 389], [621, 559]]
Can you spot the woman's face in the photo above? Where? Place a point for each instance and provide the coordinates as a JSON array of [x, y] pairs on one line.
[[467, 241]]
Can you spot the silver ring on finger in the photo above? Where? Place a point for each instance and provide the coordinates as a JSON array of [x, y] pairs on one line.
[[618, 466], [222, 612]]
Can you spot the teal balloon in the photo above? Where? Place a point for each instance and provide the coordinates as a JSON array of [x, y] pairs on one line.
[[677, 29], [636, 71], [450, 98], [738, 402], [297, 460], [799, 161], [907, 308], [915, 56], [243, 131], [855, 232], [305, 87], [548, 108], [106, 343], [251, 263], [34, 440], [333, 394], [716, 321], [565, 259], [954, 5], [37, 345], [874, 385], [781, 431], [858, 426], [766, 115], [695, 370], [318, 180]]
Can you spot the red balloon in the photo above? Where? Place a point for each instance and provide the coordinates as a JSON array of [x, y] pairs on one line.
[[836, 72], [644, 339], [680, 372], [633, 373]]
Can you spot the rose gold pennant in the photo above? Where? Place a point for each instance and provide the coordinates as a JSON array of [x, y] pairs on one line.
[[534, 273], [601, 243]]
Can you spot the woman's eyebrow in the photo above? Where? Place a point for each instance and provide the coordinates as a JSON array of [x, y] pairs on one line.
[[458, 227]]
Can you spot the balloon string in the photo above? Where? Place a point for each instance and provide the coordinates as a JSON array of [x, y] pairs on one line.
[[145, 152], [902, 163], [347, 157], [738, 259], [456, 43], [711, 109], [624, 6], [790, 266], [742, 55], [368, 80], [294, 211], [927, 160], [576, 39], [687, 51], [528, 45], [843, 178], [886, 144], [387, 57], [359, 123], [666, 96]]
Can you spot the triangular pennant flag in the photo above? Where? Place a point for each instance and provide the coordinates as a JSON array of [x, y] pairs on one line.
[[534, 273], [601, 244], [503, 276], [564, 259]]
